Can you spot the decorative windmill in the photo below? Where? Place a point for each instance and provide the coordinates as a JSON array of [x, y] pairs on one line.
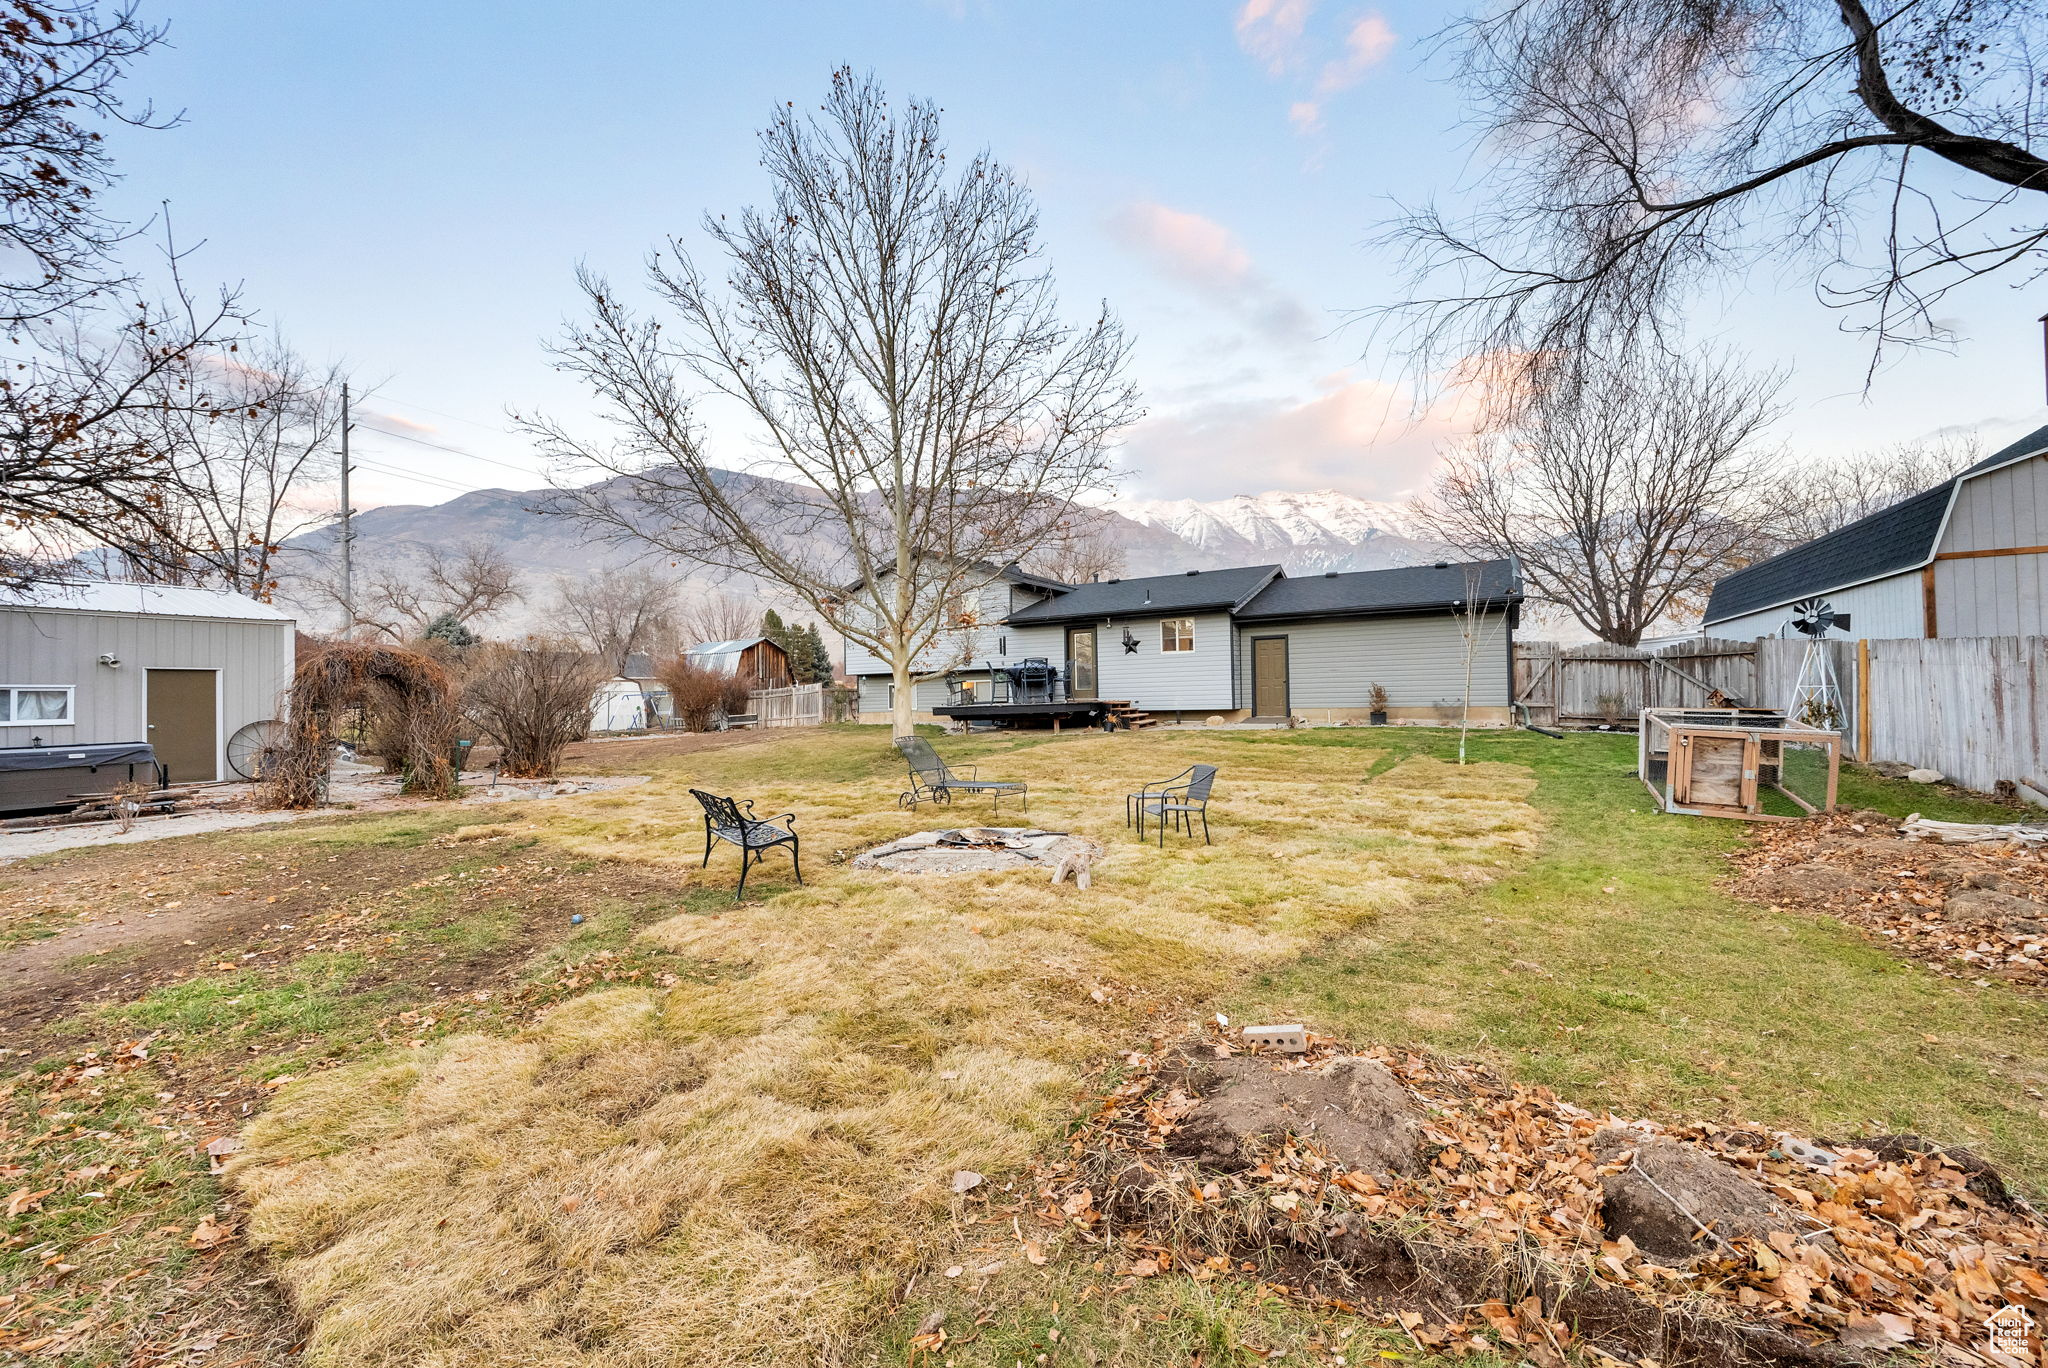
[[1817, 697]]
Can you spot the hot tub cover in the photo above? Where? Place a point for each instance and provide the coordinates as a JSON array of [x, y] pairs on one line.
[[14, 759]]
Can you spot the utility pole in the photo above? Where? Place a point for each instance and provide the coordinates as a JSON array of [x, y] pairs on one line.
[[348, 535]]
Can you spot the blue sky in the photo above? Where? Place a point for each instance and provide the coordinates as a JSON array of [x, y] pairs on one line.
[[409, 187]]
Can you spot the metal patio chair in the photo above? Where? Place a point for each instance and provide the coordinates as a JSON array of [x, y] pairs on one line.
[[932, 779], [1178, 800], [725, 821]]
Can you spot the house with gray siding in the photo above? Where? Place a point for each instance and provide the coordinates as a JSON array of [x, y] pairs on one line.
[[1967, 558], [183, 669], [1247, 644]]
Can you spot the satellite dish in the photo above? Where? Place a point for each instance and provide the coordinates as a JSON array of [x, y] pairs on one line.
[[1813, 617]]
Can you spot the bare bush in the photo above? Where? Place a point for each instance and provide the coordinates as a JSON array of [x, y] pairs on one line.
[[532, 700], [698, 696]]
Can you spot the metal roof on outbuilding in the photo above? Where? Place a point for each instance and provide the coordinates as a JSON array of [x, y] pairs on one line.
[[1887, 542], [136, 600], [1402, 589], [1193, 591], [724, 656]]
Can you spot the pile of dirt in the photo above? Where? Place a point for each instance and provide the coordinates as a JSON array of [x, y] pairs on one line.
[[1484, 1215], [1977, 912]]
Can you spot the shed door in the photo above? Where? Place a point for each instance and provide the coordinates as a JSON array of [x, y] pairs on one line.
[[182, 723], [1269, 676]]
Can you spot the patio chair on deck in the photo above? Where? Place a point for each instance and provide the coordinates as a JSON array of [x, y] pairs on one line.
[[1178, 800], [931, 778]]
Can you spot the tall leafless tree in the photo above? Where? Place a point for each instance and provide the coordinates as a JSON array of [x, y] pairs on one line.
[[84, 394], [1815, 498], [1641, 149], [1623, 491], [402, 589], [1081, 550], [716, 615], [615, 612], [889, 330], [61, 64], [242, 468]]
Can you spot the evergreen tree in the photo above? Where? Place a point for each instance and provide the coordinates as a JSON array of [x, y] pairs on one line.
[[774, 628], [821, 659], [448, 627]]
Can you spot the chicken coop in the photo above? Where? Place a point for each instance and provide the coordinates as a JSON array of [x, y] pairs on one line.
[[1752, 763]]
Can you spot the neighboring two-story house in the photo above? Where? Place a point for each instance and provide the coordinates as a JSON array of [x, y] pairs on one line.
[[1246, 644]]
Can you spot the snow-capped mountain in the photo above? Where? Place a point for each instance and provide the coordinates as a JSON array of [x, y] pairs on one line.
[[1319, 530]]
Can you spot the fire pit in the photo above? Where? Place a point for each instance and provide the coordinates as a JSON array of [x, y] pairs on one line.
[[976, 850]]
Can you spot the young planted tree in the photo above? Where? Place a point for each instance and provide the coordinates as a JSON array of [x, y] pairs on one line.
[[889, 331], [1644, 149], [1623, 491]]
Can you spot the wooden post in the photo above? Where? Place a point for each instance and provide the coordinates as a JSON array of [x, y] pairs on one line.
[[1863, 699]]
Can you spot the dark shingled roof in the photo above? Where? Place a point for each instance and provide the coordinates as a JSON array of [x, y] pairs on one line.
[[1888, 541], [1154, 594], [1405, 589]]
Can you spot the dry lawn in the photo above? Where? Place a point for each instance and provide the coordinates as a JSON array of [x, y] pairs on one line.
[[746, 1169]]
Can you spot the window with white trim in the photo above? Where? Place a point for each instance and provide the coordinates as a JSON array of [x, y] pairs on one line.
[[24, 705], [1177, 634]]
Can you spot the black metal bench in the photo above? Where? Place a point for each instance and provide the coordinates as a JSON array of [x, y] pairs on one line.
[[725, 821], [931, 779]]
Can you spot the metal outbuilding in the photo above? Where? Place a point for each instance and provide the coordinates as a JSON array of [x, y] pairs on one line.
[[86, 662]]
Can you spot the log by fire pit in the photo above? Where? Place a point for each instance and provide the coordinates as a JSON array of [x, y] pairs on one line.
[[975, 850]]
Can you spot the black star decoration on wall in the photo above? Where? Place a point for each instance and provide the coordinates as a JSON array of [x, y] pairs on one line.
[[1130, 643]]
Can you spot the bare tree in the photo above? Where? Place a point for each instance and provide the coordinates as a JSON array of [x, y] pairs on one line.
[[1644, 148], [1812, 500], [714, 615], [892, 336], [1623, 492], [615, 612], [79, 468], [400, 594], [1081, 551], [61, 63], [241, 466], [532, 699]]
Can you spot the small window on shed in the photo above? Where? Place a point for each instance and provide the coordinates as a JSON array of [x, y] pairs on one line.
[[27, 704], [1177, 634]]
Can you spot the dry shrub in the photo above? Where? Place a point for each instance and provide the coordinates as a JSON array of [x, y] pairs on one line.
[[407, 696], [699, 695], [532, 700], [741, 1170]]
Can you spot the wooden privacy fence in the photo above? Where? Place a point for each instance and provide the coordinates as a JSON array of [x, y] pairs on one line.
[[1975, 708], [800, 705], [1584, 686]]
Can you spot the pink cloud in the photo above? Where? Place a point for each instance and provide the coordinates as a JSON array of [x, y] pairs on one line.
[[1207, 257], [1306, 116], [1271, 31], [1355, 435], [1365, 47]]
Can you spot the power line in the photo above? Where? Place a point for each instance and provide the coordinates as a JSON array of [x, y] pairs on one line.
[[362, 464], [454, 451], [440, 413]]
